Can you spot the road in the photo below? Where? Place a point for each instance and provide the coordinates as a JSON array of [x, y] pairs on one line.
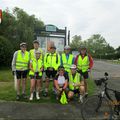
[[45, 111], [100, 67]]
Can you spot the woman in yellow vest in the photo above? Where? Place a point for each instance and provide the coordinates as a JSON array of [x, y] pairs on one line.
[[36, 68], [36, 48], [75, 87], [20, 68]]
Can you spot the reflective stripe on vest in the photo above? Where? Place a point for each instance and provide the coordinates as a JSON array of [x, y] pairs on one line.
[[37, 65], [83, 64], [73, 81], [67, 63], [22, 61], [32, 53]]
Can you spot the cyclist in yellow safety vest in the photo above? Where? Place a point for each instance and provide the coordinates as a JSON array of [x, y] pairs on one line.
[[36, 48], [36, 68], [67, 58], [20, 67], [84, 62], [51, 64], [75, 85]]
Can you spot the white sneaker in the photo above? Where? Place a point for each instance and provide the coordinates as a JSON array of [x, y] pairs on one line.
[[37, 96], [31, 97], [81, 99]]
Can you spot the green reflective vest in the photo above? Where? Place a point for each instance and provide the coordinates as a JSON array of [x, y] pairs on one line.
[[67, 63], [52, 60], [32, 53], [73, 81], [83, 64], [22, 61], [37, 65]]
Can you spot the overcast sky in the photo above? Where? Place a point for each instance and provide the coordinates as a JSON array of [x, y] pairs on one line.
[[81, 17]]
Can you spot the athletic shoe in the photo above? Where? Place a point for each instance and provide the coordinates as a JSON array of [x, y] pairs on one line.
[[37, 96], [31, 97], [18, 97]]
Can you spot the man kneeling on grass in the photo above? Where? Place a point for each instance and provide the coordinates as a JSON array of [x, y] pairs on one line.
[[76, 86], [36, 68], [60, 82]]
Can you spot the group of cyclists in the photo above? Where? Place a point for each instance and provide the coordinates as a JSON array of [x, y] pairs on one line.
[[69, 73]]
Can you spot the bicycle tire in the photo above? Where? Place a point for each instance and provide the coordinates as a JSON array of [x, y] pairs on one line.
[[88, 109]]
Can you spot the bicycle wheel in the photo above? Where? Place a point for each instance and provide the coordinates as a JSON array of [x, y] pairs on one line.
[[96, 108]]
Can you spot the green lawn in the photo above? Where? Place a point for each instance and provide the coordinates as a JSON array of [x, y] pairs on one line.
[[8, 93]]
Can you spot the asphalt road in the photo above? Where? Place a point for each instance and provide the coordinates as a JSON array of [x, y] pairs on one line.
[[45, 111]]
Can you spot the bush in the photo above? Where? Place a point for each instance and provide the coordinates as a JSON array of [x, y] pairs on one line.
[[6, 52]]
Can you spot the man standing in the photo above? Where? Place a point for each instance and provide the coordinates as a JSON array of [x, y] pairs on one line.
[[51, 64], [84, 63], [67, 58], [20, 67]]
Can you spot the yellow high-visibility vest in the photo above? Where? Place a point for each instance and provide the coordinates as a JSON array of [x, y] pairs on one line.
[[83, 64], [67, 63], [37, 65], [73, 81], [52, 60], [32, 53], [22, 61]]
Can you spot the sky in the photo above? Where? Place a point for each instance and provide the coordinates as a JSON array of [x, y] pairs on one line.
[[81, 17]]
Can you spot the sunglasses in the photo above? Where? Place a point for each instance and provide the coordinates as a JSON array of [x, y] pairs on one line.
[[23, 46], [61, 69]]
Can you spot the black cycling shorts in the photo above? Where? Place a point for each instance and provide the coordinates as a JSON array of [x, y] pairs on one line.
[[84, 74], [51, 73], [21, 74], [76, 91]]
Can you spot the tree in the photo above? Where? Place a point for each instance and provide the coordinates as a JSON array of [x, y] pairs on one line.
[[98, 46], [6, 51], [17, 27], [76, 42]]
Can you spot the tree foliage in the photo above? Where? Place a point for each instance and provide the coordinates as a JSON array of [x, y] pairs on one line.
[[76, 42], [96, 45], [6, 51], [17, 26]]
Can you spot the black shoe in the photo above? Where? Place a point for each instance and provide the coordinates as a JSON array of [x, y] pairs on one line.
[[18, 97], [24, 96], [45, 94]]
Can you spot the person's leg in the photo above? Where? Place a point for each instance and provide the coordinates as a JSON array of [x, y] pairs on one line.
[[47, 82], [85, 75], [23, 85], [82, 93], [57, 94], [53, 73], [32, 87], [24, 76], [38, 88]]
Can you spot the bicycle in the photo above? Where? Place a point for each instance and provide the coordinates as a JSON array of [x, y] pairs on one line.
[[102, 106]]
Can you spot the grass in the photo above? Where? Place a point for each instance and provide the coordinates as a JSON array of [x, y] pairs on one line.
[[8, 93]]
